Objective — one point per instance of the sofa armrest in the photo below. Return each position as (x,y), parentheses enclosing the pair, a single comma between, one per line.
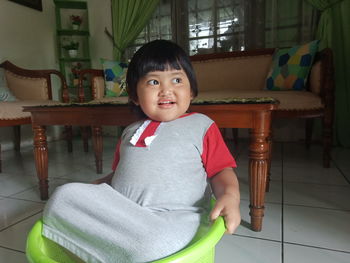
(95,76)
(27,84)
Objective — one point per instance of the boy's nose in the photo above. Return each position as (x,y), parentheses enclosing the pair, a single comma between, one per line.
(165,91)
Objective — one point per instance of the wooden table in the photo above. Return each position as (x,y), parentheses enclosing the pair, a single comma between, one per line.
(257,117)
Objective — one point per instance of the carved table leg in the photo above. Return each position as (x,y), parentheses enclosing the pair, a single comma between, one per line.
(258,164)
(98,147)
(269,157)
(41,160)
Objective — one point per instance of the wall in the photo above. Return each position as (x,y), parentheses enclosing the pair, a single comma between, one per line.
(99,19)
(28,39)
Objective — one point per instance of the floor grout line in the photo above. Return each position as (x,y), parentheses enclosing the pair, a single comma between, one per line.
(259,238)
(318,207)
(341,171)
(27,200)
(12,249)
(20,221)
(314,183)
(317,247)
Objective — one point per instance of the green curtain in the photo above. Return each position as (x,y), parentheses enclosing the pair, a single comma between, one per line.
(334,32)
(129,17)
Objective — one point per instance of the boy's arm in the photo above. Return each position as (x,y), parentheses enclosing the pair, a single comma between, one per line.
(226,190)
(107,179)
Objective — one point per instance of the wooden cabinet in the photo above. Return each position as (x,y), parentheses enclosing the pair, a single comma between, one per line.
(72,32)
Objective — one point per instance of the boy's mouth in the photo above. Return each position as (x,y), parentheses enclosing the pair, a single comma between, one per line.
(166,102)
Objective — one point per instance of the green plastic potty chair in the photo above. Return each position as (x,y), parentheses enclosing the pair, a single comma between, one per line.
(201,249)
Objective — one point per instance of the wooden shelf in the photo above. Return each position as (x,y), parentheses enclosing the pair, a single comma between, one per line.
(70,32)
(74,59)
(65,34)
(70,4)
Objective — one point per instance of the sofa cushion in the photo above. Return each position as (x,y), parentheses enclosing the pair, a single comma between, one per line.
(289,100)
(5,93)
(248,72)
(14,109)
(27,88)
(115,74)
(290,67)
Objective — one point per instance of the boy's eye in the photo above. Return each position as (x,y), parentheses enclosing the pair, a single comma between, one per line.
(153,82)
(176,80)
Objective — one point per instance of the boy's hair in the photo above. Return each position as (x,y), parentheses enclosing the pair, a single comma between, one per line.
(158,55)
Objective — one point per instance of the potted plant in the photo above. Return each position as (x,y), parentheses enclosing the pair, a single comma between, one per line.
(76,21)
(72,48)
(75,69)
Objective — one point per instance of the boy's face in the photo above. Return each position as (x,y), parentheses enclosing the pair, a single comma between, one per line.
(164,95)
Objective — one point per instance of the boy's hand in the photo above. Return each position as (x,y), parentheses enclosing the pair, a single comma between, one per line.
(227,206)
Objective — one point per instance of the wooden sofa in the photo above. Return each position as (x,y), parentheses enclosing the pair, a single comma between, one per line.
(30,87)
(243,74)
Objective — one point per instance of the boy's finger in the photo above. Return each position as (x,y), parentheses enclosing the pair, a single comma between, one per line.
(215,213)
(231,224)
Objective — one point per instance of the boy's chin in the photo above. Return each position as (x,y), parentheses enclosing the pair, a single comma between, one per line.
(165,118)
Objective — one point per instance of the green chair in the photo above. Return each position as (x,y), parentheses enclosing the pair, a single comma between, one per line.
(201,250)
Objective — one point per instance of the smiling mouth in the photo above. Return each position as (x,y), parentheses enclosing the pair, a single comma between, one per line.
(166,102)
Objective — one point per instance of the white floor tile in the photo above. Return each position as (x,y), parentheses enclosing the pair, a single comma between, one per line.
(61,169)
(15,237)
(12,183)
(273,196)
(271,228)
(302,254)
(305,173)
(33,194)
(317,227)
(341,155)
(243,168)
(86,174)
(325,196)
(12,211)
(11,256)
(18,163)
(296,152)
(238,249)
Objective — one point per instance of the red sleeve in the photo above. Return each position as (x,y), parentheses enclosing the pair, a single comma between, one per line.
(116,156)
(216,156)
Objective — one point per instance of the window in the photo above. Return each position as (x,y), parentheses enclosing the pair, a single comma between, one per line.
(215,25)
(159,27)
(208,26)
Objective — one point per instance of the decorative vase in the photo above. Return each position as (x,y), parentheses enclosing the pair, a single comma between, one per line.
(73,53)
(75,26)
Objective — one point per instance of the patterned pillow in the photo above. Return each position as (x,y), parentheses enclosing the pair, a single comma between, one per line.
(115,74)
(290,67)
(5,93)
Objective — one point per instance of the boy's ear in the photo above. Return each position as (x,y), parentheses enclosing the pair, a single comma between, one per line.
(135,102)
(192,97)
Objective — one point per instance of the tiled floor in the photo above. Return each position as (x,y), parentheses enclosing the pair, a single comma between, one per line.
(307,215)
